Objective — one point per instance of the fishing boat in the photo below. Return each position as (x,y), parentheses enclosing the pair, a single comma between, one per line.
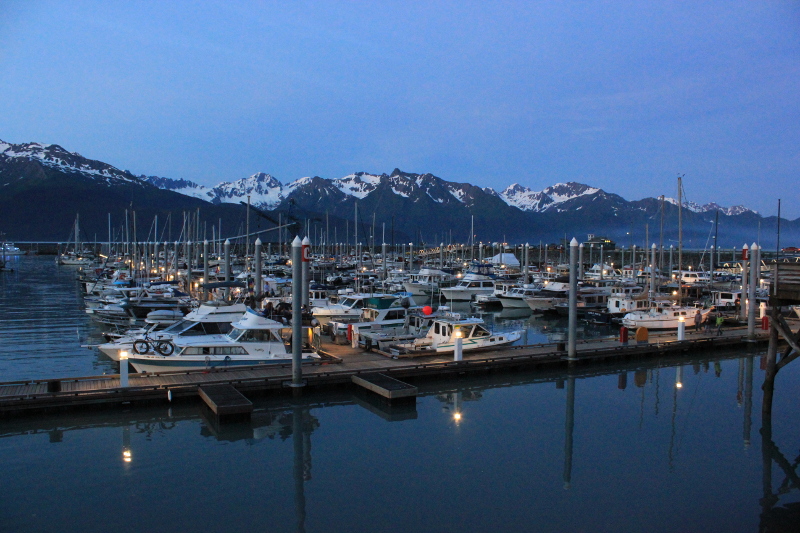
(350,306)
(444,330)
(253,340)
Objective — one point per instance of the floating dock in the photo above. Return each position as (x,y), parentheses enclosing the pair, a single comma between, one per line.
(339,366)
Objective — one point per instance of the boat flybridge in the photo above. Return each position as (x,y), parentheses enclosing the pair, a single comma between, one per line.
(253,340)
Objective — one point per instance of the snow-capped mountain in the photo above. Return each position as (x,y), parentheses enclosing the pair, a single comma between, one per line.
(712,206)
(547,199)
(412,206)
(56,157)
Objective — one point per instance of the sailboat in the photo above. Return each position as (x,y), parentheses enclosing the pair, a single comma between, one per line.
(76,256)
(666,314)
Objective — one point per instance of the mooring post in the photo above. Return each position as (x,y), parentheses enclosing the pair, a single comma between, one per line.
(297,317)
(228,276)
(259,285)
(573,299)
(745,273)
(306,263)
(205,270)
(681,329)
(751,293)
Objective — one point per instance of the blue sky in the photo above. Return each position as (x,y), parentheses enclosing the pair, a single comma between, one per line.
(619,95)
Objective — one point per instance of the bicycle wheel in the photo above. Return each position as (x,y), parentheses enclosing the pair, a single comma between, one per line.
(141,347)
(165,348)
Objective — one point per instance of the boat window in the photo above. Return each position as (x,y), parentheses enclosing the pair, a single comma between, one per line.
(234,334)
(179,326)
(480,331)
(487,283)
(196,329)
(436,328)
(255,335)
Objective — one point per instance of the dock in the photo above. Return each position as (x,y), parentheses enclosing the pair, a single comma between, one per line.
(339,366)
(225,400)
(385,386)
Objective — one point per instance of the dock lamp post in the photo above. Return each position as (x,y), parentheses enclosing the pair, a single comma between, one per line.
(123,368)
(458,349)
(681,329)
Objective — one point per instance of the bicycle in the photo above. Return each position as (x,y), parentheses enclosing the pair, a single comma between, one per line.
(162,347)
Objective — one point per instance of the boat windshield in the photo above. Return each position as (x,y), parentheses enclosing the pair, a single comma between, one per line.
(179,327)
(352,302)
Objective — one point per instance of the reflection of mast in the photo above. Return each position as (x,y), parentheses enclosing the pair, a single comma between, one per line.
(658,382)
(748,400)
(741,382)
(570,424)
(299,490)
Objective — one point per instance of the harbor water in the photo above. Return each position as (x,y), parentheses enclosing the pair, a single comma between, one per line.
(662,445)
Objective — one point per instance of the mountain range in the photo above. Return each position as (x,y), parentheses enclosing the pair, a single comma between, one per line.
(44,186)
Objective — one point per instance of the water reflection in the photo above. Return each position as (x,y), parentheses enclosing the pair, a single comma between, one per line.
(576,430)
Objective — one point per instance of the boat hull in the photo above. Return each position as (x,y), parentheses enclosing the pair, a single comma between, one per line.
(152,363)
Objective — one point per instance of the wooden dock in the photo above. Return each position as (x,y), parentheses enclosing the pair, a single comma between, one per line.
(386,386)
(339,367)
(225,400)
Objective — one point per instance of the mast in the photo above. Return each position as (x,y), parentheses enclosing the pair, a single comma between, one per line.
(680,241)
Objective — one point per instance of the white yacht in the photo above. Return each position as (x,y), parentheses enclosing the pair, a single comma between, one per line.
(210,318)
(428,281)
(545,300)
(253,340)
(478,280)
(516,296)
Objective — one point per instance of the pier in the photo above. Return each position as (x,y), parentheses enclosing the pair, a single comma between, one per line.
(339,366)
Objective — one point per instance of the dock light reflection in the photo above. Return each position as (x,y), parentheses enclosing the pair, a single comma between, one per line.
(127,454)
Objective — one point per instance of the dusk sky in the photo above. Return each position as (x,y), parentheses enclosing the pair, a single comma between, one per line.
(618,95)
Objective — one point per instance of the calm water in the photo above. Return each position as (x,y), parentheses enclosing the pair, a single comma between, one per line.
(610,449)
